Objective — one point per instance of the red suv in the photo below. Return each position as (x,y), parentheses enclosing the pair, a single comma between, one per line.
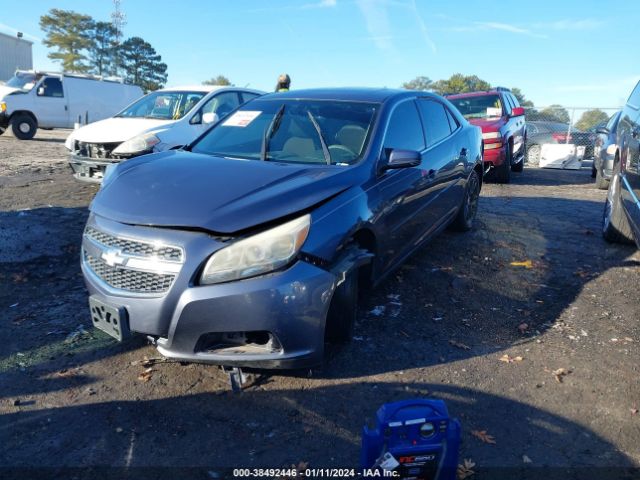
(501,118)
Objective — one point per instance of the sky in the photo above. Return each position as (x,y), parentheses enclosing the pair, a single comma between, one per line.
(571,52)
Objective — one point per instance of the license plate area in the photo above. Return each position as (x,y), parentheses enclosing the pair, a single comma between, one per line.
(111,320)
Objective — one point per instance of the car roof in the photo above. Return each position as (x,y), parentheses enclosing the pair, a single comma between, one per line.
(202,88)
(474,94)
(358,94)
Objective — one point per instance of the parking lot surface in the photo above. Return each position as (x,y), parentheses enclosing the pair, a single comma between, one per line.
(527,327)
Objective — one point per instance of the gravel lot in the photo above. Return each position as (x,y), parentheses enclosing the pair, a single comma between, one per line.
(72,397)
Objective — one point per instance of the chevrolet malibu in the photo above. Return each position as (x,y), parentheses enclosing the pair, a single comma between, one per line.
(247,248)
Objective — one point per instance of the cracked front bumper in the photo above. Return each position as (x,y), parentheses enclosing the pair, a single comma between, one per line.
(291,305)
(88,169)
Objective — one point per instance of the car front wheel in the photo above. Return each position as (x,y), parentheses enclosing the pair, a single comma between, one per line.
(503,172)
(23,126)
(533,155)
(615,225)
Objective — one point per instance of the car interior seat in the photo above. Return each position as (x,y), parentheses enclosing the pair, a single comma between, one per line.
(352,137)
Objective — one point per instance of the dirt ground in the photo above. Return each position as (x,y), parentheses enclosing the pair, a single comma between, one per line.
(565,401)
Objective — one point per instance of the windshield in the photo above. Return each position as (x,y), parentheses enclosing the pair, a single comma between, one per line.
(163,105)
(485,106)
(22,81)
(293,131)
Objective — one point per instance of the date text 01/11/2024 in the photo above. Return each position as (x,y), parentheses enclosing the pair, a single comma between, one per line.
(314,473)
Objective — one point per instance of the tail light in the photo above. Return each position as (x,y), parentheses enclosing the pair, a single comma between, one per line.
(561,137)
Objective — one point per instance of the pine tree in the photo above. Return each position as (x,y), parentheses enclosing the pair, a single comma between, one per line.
(69,33)
(142,65)
(101,52)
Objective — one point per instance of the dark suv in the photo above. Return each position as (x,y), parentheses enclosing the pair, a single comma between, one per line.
(621,217)
(501,118)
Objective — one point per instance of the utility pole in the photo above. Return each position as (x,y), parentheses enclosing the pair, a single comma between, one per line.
(118,20)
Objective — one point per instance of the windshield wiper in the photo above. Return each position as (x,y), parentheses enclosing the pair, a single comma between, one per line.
(270,132)
(325,149)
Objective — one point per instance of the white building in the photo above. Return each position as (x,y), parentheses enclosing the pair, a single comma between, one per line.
(15,52)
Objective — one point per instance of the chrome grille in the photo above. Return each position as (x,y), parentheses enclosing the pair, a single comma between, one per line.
(126,279)
(135,247)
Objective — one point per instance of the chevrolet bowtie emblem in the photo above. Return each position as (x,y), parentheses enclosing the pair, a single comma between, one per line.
(113,257)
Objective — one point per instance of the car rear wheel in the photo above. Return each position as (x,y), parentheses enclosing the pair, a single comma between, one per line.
(23,126)
(533,155)
(343,310)
(503,172)
(469,209)
(615,225)
(601,182)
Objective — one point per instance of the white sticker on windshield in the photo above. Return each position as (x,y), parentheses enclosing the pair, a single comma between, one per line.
(494,112)
(241,118)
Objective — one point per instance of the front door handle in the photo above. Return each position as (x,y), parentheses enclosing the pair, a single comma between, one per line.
(463,152)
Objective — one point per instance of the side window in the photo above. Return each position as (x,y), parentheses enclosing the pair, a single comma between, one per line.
(50,87)
(453,122)
(221,104)
(508,105)
(246,96)
(405,131)
(634,98)
(435,121)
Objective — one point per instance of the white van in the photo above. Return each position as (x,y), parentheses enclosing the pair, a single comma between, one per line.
(162,120)
(32,100)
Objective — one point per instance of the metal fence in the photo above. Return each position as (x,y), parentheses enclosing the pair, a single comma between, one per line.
(556,124)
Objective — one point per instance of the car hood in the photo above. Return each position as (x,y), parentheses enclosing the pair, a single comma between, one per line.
(4,90)
(492,125)
(116,129)
(224,196)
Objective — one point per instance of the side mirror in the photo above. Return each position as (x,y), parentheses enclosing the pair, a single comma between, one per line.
(209,117)
(603,130)
(403,159)
(517,112)
(40,91)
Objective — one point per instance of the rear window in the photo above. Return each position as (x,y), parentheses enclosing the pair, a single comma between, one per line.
(482,106)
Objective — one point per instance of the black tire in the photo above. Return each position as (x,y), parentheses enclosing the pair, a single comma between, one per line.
(1,130)
(502,174)
(601,182)
(533,155)
(23,126)
(594,172)
(467,214)
(518,167)
(343,310)
(615,224)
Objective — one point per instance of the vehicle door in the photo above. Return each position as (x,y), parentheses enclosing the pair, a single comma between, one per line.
(445,158)
(214,109)
(51,109)
(519,127)
(629,128)
(404,192)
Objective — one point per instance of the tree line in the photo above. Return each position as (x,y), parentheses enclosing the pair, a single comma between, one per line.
(84,45)
(459,83)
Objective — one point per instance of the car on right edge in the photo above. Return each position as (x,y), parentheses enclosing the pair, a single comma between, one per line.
(621,216)
(499,114)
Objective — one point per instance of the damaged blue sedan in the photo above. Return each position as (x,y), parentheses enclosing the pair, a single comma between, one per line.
(248,247)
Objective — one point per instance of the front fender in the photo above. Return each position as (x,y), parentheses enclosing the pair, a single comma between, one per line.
(336,223)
